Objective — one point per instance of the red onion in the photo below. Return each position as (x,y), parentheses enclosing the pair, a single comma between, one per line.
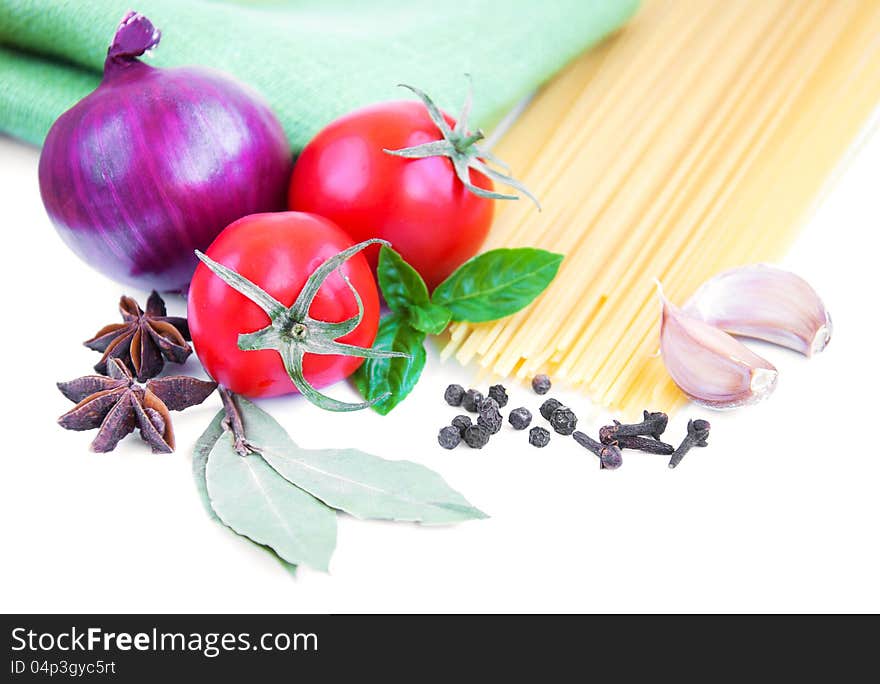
(154,163)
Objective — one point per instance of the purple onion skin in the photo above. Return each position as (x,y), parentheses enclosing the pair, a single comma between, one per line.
(154,163)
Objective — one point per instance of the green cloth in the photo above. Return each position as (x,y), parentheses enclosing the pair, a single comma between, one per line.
(312,59)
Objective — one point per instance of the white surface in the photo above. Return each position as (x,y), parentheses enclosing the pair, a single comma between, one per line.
(780,513)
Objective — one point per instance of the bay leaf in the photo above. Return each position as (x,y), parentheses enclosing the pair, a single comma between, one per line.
(254,500)
(203,447)
(364,485)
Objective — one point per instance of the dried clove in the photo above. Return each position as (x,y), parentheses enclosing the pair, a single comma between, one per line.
(697,435)
(647,444)
(609,455)
(653,425)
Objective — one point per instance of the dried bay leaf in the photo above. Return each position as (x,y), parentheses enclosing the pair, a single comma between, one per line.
(364,485)
(203,447)
(255,501)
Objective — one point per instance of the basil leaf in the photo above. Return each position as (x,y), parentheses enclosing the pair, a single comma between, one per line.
(401,284)
(406,293)
(497,283)
(431,319)
(250,497)
(366,486)
(203,448)
(396,376)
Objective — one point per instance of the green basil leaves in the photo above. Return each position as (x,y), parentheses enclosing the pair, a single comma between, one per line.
(496,284)
(406,294)
(489,286)
(402,286)
(393,377)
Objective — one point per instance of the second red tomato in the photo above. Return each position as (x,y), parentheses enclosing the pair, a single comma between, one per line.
(418,205)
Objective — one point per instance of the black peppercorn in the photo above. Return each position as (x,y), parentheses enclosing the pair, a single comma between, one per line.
(520,418)
(539,437)
(490,417)
(471,401)
(454,395)
(462,423)
(548,407)
(476,437)
(499,394)
(563,420)
(449,437)
(488,403)
(541,384)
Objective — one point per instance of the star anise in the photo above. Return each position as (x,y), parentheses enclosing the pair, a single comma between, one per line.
(116,405)
(144,341)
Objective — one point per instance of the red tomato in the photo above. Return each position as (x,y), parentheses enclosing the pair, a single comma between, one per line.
(418,205)
(278,252)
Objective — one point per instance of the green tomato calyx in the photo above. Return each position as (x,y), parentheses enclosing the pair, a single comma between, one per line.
(293,333)
(460,146)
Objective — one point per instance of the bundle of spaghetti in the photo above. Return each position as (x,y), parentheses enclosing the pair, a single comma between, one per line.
(695,140)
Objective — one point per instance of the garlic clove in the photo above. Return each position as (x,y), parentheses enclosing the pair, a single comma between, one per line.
(766,303)
(711,367)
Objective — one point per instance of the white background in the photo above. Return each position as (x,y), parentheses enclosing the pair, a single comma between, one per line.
(780,513)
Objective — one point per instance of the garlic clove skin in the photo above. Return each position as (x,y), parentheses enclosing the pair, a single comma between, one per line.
(709,366)
(766,303)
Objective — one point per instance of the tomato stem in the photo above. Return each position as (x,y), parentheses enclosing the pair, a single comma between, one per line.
(466,142)
(460,146)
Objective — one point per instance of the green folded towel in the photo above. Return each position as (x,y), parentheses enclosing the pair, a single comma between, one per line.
(312,59)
